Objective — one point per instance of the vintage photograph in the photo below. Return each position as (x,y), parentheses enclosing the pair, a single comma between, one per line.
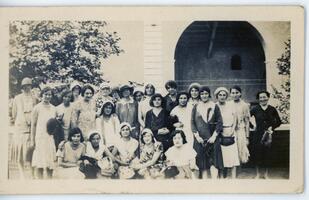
(149,100)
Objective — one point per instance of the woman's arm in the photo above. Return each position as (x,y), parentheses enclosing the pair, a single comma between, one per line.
(276,121)
(34,120)
(75,115)
(114,158)
(140,115)
(153,161)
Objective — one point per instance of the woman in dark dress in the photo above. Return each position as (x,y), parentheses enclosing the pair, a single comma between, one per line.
(158,121)
(267,120)
(206,124)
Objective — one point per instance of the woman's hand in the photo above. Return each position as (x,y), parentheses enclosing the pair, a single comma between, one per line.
(32,144)
(61,145)
(198,138)
(178,125)
(193,166)
(86,162)
(163,131)
(212,139)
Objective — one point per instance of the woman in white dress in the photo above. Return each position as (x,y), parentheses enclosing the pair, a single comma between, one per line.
(108,124)
(144,106)
(65,112)
(183,114)
(23,105)
(181,155)
(242,127)
(44,155)
(229,146)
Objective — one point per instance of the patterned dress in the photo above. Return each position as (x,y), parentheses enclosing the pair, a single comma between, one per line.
(84,115)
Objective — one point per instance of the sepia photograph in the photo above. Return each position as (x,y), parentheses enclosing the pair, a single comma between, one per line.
(204,99)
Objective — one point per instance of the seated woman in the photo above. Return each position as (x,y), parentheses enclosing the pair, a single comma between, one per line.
(126,150)
(98,161)
(181,155)
(150,162)
(69,155)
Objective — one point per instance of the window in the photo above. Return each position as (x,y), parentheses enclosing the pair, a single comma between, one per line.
(236,62)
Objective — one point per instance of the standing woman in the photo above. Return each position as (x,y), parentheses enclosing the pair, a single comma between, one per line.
(242,127)
(127,110)
(229,145)
(170,98)
(267,120)
(102,96)
(194,94)
(44,154)
(108,124)
(158,121)
(65,112)
(206,124)
(76,89)
(144,105)
(138,95)
(84,112)
(21,116)
(183,114)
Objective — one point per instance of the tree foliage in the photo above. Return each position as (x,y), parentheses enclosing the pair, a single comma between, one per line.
(59,51)
(283,93)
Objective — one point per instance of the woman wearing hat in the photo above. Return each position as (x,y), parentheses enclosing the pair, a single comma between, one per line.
(84,112)
(127,110)
(76,89)
(206,124)
(108,124)
(99,160)
(229,145)
(144,105)
(150,162)
(21,116)
(127,150)
(102,95)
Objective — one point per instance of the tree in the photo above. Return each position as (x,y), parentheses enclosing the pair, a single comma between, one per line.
(283,93)
(59,51)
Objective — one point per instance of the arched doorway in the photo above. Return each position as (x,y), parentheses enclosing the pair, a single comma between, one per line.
(221,53)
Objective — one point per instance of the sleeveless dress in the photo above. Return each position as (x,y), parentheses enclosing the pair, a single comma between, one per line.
(44,155)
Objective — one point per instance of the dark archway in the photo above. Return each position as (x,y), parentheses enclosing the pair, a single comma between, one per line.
(221,53)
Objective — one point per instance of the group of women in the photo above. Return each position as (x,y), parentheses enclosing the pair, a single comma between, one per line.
(126,133)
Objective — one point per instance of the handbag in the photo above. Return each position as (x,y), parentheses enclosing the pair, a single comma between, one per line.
(266,139)
(227,141)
